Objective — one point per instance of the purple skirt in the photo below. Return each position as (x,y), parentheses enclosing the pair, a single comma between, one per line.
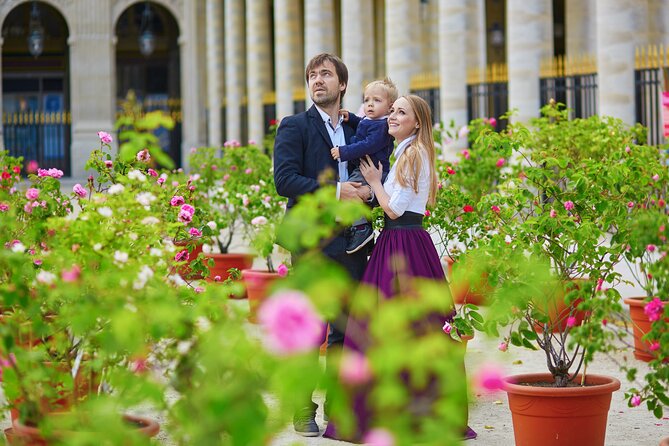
(402,252)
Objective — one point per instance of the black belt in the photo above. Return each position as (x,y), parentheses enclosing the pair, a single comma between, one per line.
(406,220)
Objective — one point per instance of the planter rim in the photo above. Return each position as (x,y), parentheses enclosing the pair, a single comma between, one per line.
(258,272)
(599,384)
(636,301)
(230,254)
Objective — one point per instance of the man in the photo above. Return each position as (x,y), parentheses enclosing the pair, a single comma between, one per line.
(301,154)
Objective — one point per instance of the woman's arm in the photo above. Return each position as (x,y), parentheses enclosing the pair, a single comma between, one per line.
(373,176)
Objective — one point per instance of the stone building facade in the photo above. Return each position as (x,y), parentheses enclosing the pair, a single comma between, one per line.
(223,61)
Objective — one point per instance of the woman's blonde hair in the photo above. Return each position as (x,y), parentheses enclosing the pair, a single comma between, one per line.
(411,163)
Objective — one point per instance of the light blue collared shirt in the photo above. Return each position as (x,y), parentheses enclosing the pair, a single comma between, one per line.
(337,138)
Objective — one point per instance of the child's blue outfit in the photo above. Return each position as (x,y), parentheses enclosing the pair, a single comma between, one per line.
(371,138)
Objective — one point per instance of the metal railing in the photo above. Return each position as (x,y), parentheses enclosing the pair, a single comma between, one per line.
(651,78)
(39,136)
(488,93)
(571,81)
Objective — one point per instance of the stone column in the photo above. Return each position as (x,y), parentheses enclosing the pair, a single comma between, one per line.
(453,21)
(193,108)
(319,31)
(357,49)
(402,41)
(529,33)
(659,18)
(91,84)
(287,63)
(617,24)
(259,65)
(580,30)
(234,67)
(214,70)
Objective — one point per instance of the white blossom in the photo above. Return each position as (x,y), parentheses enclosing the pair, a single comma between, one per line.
(115,189)
(136,175)
(150,220)
(45,277)
(145,198)
(105,211)
(120,256)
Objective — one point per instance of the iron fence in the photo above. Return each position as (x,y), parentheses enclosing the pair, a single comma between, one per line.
(651,79)
(488,94)
(39,136)
(571,81)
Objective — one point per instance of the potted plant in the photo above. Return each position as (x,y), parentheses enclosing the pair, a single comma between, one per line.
(567,206)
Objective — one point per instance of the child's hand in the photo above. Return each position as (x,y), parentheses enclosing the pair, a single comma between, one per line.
(335,153)
(344,113)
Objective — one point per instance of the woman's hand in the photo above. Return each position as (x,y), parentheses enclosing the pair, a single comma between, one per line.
(372,174)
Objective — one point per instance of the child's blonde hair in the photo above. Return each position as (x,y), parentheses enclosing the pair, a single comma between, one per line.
(388,86)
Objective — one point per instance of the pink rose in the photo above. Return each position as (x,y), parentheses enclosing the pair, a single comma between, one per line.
(32,193)
(627,149)
(109,164)
(354,368)
(195,232)
(79,190)
(152,172)
(630,204)
(447,328)
(291,323)
(489,378)
(655,345)
(185,217)
(500,162)
(450,171)
(465,154)
(635,400)
(72,274)
(282,270)
(4,207)
(32,166)
(248,171)
(143,156)
(654,309)
(492,122)
(569,205)
(552,213)
(182,256)
(259,221)
(503,346)
(379,437)
(495,209)
(188,208)
(651,248)
(177,200)
(571,321)
(656,177)
(105,137)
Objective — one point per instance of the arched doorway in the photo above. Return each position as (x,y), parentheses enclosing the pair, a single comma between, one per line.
(35,85)
(147,63)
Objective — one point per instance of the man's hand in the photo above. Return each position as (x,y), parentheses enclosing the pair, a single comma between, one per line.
(349,191)
(365,193)
(344,113)
(335,153)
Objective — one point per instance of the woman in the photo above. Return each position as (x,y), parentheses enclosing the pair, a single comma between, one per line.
(410,186)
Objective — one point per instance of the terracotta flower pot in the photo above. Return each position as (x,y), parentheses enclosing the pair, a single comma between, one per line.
(23,435)
(258,283)
(225,262)
(574,416)
(640,326)
(461,288)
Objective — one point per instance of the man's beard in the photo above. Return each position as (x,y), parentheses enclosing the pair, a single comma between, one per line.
(326,101)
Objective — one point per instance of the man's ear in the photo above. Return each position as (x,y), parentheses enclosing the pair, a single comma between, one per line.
(342,87)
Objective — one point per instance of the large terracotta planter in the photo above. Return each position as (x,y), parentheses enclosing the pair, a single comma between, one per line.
(22,435)
(574,416)
(258,284)
(224,262)
(462,290)
(640,326)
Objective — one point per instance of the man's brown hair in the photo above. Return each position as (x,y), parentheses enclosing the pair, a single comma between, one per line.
(340,68)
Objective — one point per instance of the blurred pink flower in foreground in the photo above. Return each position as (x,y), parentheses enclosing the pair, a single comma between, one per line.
(354,368)
(282,270)
(291,323)
(379,437)
(489,378)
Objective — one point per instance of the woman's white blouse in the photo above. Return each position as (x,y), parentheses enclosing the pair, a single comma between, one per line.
(404,199)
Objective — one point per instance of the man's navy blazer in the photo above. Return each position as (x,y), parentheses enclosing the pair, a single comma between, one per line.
(301,154)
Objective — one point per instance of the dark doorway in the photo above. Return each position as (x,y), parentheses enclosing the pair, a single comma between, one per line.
(150,66)
(35,85)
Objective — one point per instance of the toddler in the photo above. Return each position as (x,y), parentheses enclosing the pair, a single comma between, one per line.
(371,138)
